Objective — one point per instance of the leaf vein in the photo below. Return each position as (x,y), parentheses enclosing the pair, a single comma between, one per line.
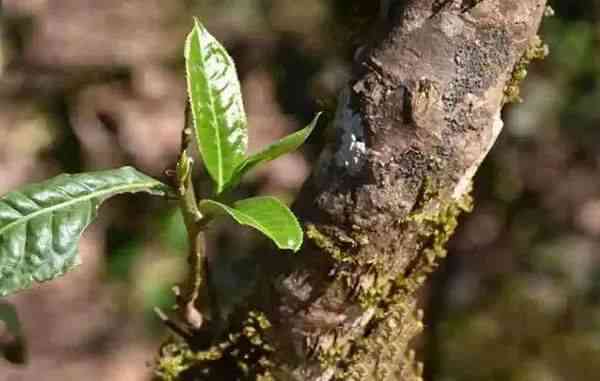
(95,194)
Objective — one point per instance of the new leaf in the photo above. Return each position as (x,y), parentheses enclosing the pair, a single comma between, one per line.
(266,214)
(40,225)
(288,144)
(218,116)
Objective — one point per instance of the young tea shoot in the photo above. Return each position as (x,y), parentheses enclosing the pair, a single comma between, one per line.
(41,224)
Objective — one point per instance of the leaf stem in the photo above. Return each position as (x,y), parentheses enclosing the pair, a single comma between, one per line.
(198,277)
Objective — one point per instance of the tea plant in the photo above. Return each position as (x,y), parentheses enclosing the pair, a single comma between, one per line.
(41,224)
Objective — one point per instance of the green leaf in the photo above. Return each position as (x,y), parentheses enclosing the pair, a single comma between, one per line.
(40,225)
(288,144)
(218,116)
(266,214)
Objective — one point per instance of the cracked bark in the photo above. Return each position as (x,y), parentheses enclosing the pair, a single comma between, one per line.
(412,127)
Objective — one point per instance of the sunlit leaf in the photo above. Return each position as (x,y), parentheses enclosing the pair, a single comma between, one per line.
(220,124)
(40,225)
(266,214)
(288,144)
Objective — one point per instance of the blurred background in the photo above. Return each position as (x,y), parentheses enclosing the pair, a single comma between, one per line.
(88,84)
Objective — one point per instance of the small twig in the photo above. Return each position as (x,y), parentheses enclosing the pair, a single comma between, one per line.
(173,326)
(198,276)
(192,218)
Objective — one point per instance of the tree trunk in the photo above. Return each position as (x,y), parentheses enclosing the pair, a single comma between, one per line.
(411,129)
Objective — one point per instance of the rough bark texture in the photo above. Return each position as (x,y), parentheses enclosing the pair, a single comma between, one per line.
(411,129)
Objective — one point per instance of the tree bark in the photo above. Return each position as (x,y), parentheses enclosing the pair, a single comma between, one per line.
(411,128)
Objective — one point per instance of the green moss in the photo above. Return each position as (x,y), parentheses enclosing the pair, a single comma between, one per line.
(176,357)
(394,301)
(173,360)
(245,354)
(435,229)
(537,50)
(358,277)
(371,297)
(327,244)
(330,352)
(391,299)
(386,341)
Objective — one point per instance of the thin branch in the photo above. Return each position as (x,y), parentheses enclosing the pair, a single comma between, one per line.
(194,222)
